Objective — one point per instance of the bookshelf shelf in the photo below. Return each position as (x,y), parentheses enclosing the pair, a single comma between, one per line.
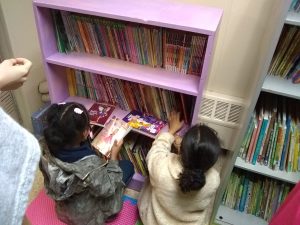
(226,215)
(274,87)
(187,84)
(277,85)
(291,177)
(194,18)
(293,18)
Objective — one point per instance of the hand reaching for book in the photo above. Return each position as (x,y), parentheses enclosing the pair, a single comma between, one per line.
(115,149)
(174,122)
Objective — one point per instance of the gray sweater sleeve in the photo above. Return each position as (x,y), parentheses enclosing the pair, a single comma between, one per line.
(19,153)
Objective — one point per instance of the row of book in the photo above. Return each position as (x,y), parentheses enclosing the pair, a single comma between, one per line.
(295,6)
(130,96)
(286,59)
(135,149)
(176,51)
(273,135)
(254,194)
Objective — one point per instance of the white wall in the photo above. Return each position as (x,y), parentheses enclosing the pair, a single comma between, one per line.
(19,29)
(240,43)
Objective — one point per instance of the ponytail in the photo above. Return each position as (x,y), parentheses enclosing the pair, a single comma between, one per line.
(191,180)
(199,150)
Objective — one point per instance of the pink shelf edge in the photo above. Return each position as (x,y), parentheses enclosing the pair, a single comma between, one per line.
(183,83)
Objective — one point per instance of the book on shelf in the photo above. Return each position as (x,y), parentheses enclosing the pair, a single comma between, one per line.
(286,57)
(286,143)
(254,138)
(100,112)
(143,122)
(272,138)
(135,149)
(260,138)
(254,194)
(131,96)
(268,138)
(175,50)
(114,130)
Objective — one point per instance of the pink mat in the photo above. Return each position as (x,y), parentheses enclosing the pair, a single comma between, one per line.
(41,211)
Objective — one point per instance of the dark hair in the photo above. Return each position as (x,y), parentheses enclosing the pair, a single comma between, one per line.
(200,148)
(65,123)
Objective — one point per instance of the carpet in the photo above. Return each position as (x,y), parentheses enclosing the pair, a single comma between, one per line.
(41,211)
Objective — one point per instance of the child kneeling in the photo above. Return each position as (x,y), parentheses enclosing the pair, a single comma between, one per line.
(86,188)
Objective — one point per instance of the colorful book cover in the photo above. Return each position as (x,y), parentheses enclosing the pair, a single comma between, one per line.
(145,123)
(285,144)
(257,125)
(244,195)
(114,130)
(99,112)
(260,139)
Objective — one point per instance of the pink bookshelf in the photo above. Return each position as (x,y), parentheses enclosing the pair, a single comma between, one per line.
(160,13)
(193,18)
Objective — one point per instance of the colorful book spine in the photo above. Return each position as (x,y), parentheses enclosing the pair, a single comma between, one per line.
(260,139)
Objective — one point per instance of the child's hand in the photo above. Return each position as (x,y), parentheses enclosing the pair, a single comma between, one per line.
(174,122)
(177,143)
(115,149)
(13,73)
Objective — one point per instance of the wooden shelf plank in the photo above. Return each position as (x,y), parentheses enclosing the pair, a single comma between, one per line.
(291,177)
(226,216)
(193,17)
(157,77)
(277,85)
(293,18)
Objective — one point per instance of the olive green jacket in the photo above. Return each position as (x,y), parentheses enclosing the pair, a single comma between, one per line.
(87,191)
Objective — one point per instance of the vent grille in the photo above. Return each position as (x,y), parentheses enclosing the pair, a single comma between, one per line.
(225,110)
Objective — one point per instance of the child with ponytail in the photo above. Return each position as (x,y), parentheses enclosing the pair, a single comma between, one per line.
(180,186)
(86,188)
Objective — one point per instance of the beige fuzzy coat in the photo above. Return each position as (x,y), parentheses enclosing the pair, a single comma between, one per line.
(161,201)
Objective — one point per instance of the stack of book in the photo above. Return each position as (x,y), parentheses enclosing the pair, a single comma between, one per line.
(286,59)
(130,96)
(174,50)
(273,135)
(254,194)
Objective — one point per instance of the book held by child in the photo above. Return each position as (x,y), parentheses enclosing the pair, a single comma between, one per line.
(114,130)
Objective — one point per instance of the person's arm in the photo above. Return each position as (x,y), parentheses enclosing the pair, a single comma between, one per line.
(161,147)
(13,73)
(105,180)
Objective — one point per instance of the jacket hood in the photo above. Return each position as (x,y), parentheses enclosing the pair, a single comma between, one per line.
(66,179)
